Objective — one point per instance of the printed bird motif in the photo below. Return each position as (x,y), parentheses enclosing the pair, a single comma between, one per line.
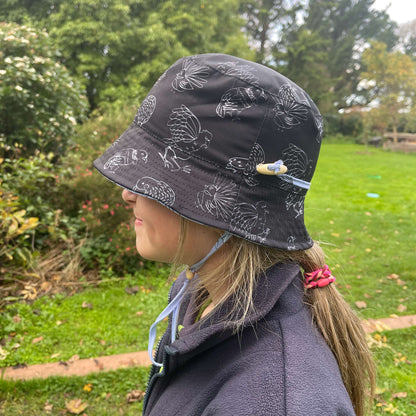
(156,189)
(146,110)
(125,157)
(191,76)
(238,99)
(248,165)
(186,136)
(251,220)
(243,72)
(298,166)
(218,198)
(287,111)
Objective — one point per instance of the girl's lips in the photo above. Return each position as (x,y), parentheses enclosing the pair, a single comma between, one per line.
(138,222)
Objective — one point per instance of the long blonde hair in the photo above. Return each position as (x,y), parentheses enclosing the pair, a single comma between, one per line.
(241,265)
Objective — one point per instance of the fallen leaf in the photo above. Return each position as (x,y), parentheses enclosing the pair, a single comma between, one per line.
(76,406)
(87,387)
(361,304)
(400,282)
(87,305)
(73,358)
(366,295)
(46,286)
(36,340)
(139,313)
(16,319)
(393,276)
(132,290)
(402,308)
(135,396)
(399,395)
(48,407)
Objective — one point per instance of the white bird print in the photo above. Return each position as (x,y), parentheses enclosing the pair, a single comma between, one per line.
(248,165)
(299,166)
(125,157)
(146,110)
(238,99)
(191,76)
(187,136)
(251,220)
(218,198)
(157,189)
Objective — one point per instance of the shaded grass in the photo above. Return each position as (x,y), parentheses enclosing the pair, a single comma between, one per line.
(97,321)
(367,239)
(108,395)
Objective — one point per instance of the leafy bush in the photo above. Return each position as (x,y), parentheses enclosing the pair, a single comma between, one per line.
(40,102)
(15,230)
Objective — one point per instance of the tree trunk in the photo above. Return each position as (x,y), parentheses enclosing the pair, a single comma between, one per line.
(395,139)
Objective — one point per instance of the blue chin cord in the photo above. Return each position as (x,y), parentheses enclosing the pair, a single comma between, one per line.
(175,304)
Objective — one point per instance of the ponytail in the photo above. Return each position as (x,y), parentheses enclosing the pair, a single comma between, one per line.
(344,334)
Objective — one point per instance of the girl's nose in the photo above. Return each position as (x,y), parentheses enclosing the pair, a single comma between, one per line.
(128,196)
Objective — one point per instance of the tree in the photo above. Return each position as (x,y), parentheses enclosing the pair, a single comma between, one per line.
(305,62)
(40,103)
(265,22)
(113,43)
(407,38)
(347,25)
(390,78)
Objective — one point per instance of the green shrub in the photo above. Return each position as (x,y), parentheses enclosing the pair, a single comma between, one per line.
(16,230)
(40,103)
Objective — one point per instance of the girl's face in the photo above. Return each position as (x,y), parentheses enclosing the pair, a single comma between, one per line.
(157,232)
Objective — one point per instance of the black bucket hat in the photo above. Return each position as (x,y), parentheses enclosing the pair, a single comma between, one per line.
(202,141)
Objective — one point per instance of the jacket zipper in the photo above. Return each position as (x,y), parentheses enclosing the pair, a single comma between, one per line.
(154,370)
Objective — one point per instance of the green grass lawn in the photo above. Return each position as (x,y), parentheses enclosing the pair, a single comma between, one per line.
(103,320)
(370,242)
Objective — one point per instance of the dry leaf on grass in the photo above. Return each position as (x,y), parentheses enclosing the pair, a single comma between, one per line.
(135,396)
(36,340)
(402,308)
(399,395)
(393,276)
(360,304)
(76,406)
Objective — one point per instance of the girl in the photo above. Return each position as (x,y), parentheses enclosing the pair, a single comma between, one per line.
(216,165)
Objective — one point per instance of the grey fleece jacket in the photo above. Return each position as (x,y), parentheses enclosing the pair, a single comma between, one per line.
(278,365)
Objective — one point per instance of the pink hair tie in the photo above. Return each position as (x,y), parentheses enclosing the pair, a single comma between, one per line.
(318,278)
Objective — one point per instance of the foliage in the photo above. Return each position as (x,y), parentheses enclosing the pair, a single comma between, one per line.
(39,185)
(113,47)
(39,101)
(347,24)
(15,229)
(265,19)
(304,61)
(97,202)
(407,38)
(390,80)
